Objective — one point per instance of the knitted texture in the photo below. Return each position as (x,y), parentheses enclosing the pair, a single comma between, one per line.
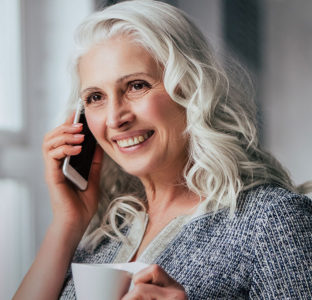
(263,252)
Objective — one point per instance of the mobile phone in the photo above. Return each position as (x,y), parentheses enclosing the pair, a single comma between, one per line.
(77,167)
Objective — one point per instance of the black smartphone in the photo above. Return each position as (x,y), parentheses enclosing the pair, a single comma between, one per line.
(77,167)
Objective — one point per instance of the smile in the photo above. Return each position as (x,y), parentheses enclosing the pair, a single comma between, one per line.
(135,140)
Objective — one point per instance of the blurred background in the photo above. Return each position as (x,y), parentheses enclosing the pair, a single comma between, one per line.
(271,38)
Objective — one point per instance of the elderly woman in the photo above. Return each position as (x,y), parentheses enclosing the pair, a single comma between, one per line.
(178,179)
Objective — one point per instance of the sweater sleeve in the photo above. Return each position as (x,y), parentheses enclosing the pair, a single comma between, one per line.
(283,250)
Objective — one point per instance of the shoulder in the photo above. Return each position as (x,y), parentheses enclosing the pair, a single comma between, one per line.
(279,220)
(271,203)
(262,206)
(282,242)
(282,224)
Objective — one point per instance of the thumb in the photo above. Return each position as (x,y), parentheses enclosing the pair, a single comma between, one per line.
(98,155)
(95,171)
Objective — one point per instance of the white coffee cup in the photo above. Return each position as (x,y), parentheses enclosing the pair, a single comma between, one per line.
(103,281)
(100,282)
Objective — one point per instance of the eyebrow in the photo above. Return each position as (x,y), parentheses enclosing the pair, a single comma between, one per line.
(119,80)
(123,78)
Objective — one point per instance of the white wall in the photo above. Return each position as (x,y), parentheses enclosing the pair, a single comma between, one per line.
(49,40)
(47,29)
(287,84)
(207,15)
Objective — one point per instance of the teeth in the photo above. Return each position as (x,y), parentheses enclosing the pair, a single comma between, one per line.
(130,142)
(133,141)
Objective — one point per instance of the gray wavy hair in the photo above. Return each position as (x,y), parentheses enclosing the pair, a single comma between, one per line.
(224,153)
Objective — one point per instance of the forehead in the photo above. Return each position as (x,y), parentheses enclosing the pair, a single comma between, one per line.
(114,58)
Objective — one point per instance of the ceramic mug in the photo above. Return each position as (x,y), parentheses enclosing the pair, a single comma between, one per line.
(103,281)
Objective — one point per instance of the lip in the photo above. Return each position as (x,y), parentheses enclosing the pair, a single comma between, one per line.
(130,135)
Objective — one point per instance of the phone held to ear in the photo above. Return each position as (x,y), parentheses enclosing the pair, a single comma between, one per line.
(77,167)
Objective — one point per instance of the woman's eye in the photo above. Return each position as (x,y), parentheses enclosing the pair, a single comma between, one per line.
(138,86)
(93,98)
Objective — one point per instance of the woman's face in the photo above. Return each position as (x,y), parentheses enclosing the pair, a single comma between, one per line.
(128,109)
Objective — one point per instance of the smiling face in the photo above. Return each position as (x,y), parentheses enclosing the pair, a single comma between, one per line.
(129,111)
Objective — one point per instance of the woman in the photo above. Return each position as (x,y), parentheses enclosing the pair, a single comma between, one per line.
(184,185)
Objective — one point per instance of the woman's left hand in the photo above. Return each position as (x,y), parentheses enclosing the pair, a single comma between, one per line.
(154,283)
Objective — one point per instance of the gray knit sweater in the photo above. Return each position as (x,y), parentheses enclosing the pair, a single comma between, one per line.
(264,252)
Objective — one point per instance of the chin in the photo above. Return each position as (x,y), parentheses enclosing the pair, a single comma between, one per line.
(139,171)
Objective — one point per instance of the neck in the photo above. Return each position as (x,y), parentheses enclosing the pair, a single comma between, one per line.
(168,193)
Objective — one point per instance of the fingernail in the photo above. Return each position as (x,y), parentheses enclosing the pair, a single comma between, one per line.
(78,136)
(77,125)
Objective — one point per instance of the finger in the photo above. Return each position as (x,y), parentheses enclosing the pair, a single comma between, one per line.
(145,291)
(68,122)
(149,291)
(64,128)
(70,119)
(64,139)
(62,151)
(153,274)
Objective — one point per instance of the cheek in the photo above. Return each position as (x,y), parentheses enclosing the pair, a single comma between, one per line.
(158,108)
(96,124)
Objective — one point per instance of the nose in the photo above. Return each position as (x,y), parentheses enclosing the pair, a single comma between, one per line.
(118,113)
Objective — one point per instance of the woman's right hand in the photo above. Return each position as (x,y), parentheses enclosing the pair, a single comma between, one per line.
(71,207)
(72,212)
